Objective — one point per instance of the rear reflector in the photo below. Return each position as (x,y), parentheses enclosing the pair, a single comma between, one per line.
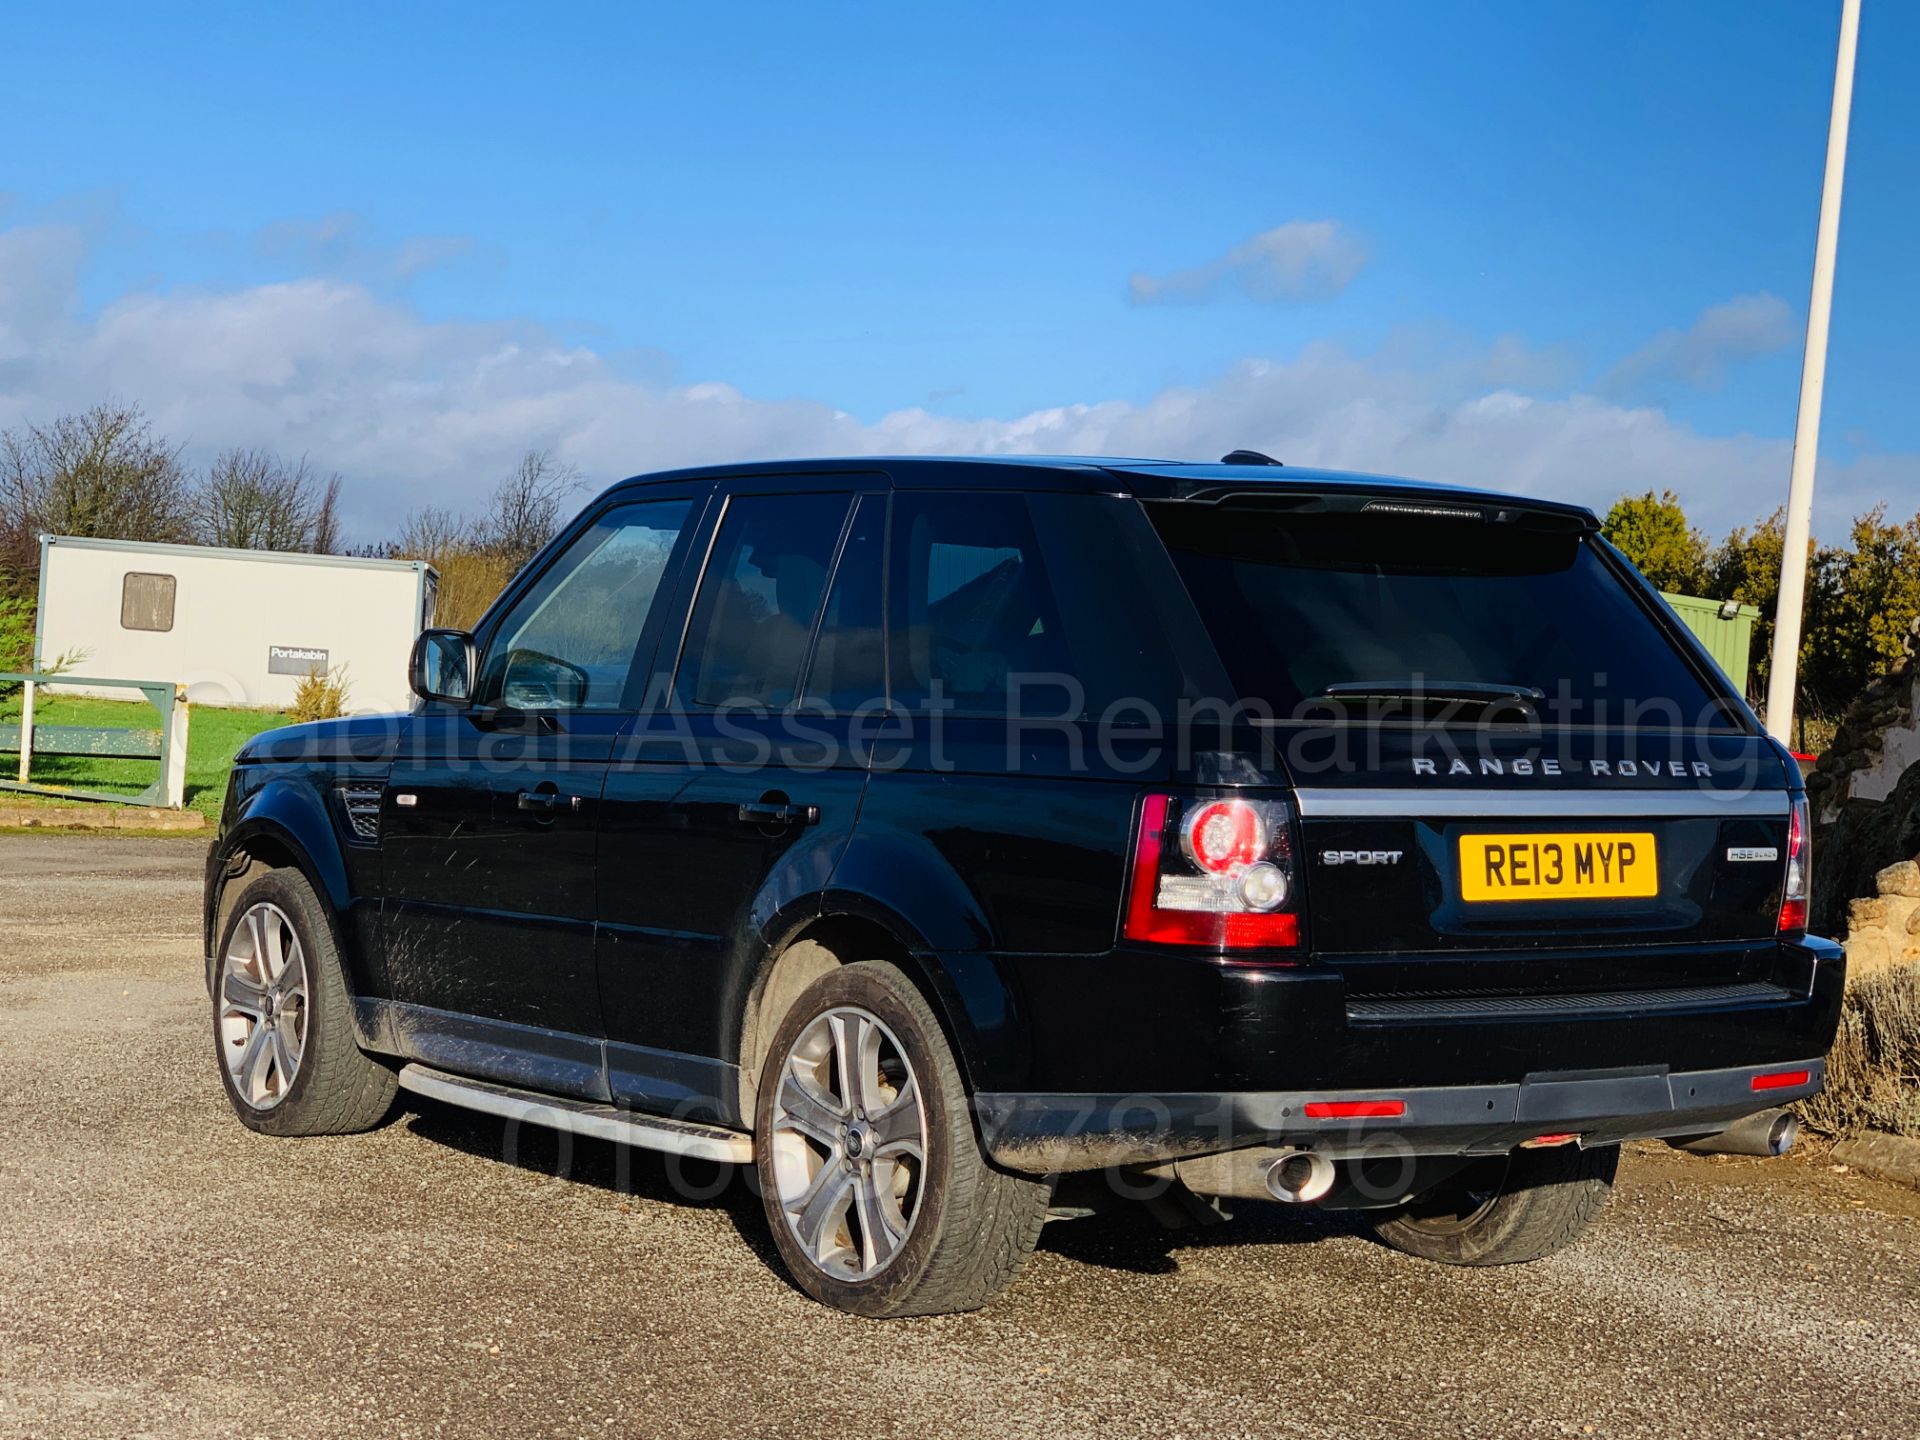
(1782,1079)
(1547,1142)
(1354,1109)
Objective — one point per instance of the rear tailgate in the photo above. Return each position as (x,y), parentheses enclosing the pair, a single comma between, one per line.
(1507,857)
(1515,771)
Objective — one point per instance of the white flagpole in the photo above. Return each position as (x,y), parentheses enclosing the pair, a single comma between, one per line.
(1785,671)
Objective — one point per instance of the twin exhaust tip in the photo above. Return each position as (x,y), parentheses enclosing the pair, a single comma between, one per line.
(1299,1177)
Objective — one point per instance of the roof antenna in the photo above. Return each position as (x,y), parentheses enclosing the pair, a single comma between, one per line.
(1247,457)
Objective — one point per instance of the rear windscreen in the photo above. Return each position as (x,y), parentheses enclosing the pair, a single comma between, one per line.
(1313,610)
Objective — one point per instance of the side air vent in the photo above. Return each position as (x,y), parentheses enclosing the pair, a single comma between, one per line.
(361,800)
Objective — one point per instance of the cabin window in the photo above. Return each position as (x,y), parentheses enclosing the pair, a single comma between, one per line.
(146,601)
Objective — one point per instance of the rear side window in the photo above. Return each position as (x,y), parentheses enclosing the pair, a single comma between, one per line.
(754,617)
(1300,603)
(973,602)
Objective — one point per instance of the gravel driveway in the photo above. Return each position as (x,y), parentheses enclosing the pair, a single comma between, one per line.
(165,1272)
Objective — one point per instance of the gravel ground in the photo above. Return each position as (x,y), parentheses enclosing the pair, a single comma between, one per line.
(165,1272)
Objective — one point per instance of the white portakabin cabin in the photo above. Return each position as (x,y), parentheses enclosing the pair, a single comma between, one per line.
(236,627)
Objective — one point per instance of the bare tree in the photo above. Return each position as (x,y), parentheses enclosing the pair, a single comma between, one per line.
(101,473)
(477,557)
(325,539)
(432,533)
(254,500)
(526,508)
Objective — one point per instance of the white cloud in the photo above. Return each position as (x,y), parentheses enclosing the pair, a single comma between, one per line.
(415,412)
(1300,260)
(1698,356)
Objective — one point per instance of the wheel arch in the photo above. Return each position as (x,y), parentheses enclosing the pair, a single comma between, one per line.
(284,826)
(843,930)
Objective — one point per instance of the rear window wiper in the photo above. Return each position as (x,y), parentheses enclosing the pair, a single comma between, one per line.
(1472,692)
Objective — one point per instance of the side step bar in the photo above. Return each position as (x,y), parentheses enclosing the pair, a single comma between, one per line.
(581,1117)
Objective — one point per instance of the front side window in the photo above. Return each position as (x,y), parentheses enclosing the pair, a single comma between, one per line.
(146,601)
(569,642)
(754,617)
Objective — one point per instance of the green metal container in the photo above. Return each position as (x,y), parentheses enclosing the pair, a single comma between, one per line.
(1724,627)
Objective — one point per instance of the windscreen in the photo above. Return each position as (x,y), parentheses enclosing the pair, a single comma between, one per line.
(1466,618)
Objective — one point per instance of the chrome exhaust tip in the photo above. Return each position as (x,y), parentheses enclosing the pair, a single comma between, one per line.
(1769,1132)
(1299,1177)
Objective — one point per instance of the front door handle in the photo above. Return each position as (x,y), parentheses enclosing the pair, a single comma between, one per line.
(770,813)
(545,802)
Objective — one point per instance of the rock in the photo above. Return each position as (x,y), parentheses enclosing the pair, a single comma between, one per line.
(1866,914)
(1855,843)
(1869,951)
(1913,922)
(1891,1157)
(1901,878)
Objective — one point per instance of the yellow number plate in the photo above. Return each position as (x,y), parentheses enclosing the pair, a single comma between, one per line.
(1559,867)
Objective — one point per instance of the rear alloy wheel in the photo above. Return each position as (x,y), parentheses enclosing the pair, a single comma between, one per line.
(282,1019)
(849,1143)
(1506,1209)
(878,1195)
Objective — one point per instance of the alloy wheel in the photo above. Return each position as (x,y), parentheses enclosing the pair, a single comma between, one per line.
(263,1010)
(849,1137)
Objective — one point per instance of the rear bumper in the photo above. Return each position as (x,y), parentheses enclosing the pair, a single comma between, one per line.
(1136,1056)
(1054,1133)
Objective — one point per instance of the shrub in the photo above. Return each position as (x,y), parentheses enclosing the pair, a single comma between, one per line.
(16,645)
(470,578)
(1873,1071)
(16,634)
(322,695)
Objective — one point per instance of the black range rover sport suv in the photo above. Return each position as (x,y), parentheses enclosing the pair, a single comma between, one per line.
(919,831)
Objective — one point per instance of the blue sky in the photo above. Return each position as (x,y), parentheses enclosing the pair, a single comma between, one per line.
(1559,247)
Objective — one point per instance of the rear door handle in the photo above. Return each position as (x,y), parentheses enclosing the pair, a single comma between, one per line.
(764,813)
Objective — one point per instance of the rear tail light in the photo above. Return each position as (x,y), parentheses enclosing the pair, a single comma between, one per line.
(1214,871)
(1793,898)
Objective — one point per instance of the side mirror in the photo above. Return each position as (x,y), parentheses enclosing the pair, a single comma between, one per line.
(442,666)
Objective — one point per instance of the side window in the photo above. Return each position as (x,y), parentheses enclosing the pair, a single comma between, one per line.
(849,659)
(754,616)
(972,604)
(146,601)
(569,642)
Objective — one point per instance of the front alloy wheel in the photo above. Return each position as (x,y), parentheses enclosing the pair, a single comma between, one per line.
(263,1005)
(282,1017)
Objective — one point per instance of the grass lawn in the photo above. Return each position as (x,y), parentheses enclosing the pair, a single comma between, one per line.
(213,738)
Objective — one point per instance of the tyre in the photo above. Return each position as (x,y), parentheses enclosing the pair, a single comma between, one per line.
(1507,1209)
(282,1022)
(880,1200)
